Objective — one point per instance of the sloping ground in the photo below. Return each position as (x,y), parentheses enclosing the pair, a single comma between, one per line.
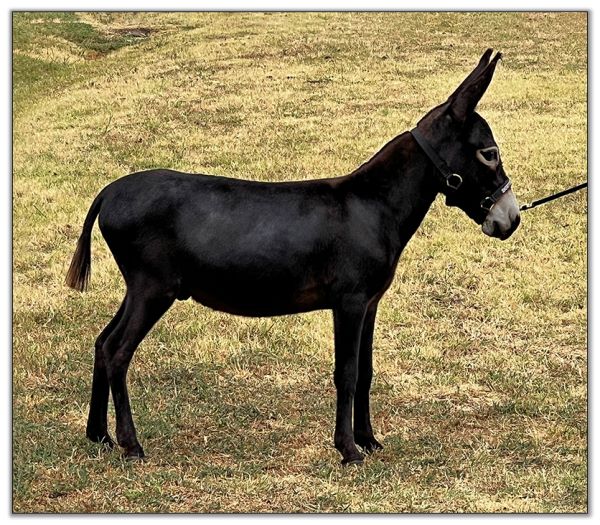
(480,389)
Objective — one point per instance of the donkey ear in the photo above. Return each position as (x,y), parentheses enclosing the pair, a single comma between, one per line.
(483,62)
(465,99)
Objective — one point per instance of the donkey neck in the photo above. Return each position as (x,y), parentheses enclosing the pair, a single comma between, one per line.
(403,183)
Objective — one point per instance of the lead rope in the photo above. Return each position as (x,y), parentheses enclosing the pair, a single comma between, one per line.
(553,196)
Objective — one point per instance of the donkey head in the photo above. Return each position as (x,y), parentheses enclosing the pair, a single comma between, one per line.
(460,144)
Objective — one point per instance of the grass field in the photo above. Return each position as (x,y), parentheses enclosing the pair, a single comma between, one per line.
(479,394)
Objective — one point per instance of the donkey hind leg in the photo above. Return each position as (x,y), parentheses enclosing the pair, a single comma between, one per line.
(97,429)
(147,301)
(363,432)
(348,321)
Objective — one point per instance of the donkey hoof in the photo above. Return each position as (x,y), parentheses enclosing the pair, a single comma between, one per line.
(370,445)
(101,439)
(353,459)
(107,442)
(134,454)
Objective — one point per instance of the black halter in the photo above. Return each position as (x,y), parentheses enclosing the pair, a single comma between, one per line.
(454,180)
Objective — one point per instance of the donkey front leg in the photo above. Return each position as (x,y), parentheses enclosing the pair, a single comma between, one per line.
(363,432)
(348,320)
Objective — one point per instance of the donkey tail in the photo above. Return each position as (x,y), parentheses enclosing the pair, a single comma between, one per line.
(78,276)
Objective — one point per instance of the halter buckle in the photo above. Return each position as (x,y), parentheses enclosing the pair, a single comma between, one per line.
(487,203)
(454,181)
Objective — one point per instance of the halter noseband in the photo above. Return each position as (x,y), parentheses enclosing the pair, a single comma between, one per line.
(454,180)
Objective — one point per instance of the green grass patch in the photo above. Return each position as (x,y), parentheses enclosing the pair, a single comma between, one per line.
(51,50)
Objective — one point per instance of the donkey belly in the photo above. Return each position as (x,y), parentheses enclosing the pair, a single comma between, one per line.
(258,305)
(255,293)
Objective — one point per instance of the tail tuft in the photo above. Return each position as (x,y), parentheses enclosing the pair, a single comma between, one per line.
(78,276)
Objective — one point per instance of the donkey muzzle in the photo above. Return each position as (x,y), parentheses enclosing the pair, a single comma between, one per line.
(504,217)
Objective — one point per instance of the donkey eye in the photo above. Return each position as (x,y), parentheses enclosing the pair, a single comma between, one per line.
(488,156)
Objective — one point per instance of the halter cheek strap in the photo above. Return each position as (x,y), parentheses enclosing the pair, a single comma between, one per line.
(454,180)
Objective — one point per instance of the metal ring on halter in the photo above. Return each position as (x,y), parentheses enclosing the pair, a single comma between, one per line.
(454,181)
(487,203)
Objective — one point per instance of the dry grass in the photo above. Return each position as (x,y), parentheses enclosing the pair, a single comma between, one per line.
(480,389)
